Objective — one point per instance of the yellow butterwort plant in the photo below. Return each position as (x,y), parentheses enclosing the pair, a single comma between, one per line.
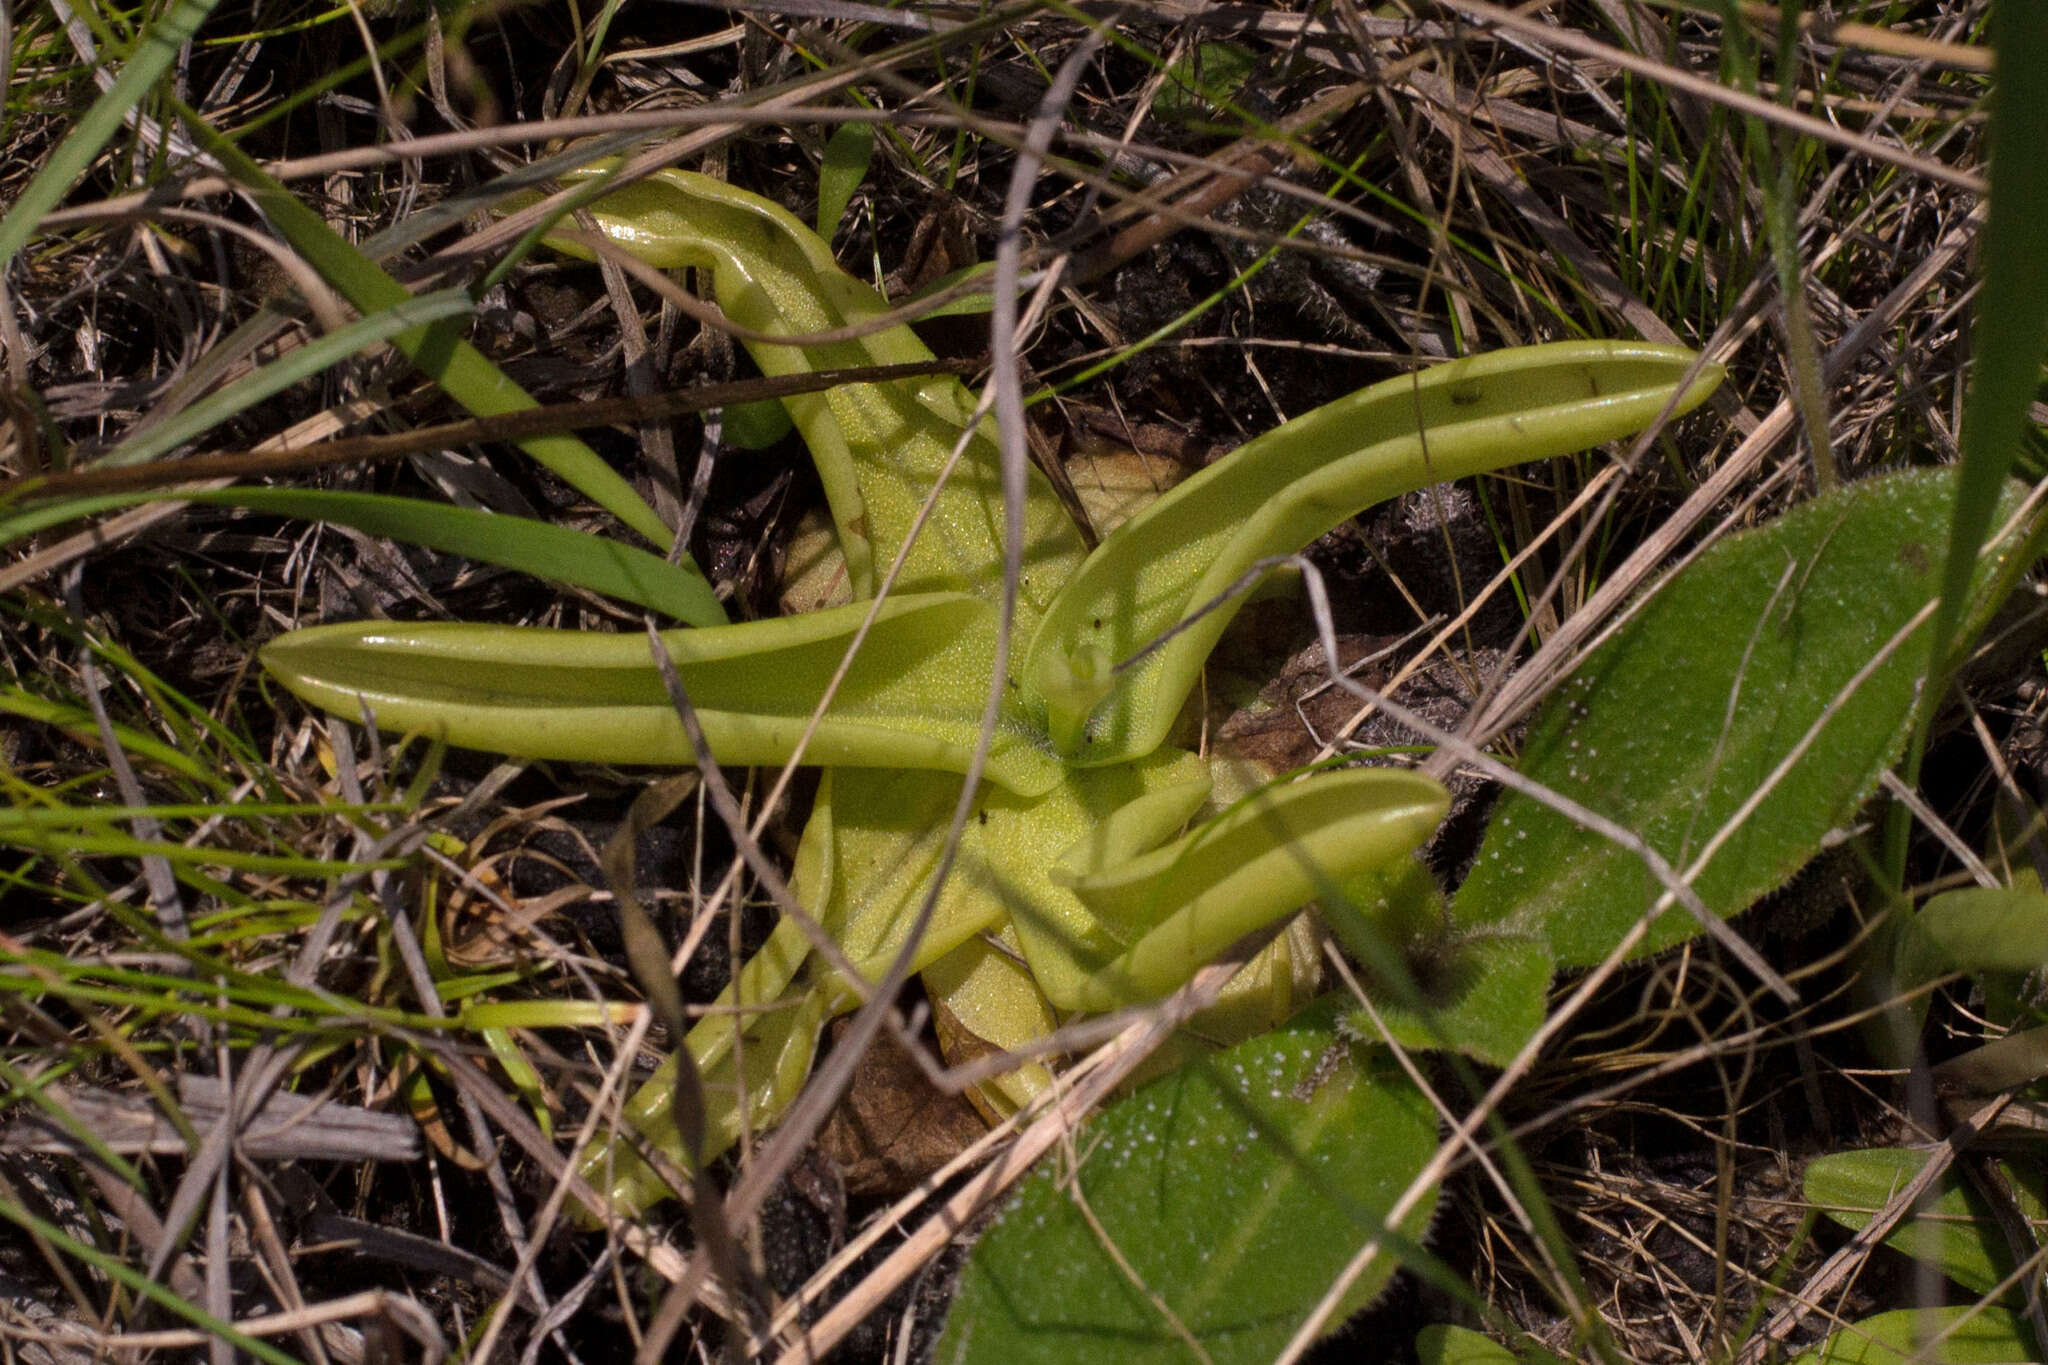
(1103,865)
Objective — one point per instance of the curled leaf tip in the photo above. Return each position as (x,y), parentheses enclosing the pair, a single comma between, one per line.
(1074,683)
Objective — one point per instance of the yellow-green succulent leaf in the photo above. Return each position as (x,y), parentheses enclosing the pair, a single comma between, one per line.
(1178,906)
(879,448)
(1280,491)
(1282,978)
(1025,838)
(890,833)
(816,869)
(911,698)
(768,1071)
(890,829)
(867,860)
(984,999)
(744,1010)
(765,978)
(1138,826)
(1272,987)
(987,990)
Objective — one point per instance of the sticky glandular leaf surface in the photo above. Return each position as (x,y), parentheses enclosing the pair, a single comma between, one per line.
(1688,711)
(1234,1190)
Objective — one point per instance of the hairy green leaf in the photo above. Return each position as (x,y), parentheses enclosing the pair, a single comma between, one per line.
(1928,1336)
(1793,646)
(1956,1230)
(1215,1205)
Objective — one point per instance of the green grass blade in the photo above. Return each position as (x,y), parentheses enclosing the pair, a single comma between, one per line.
(624,572)
(303,363)
(578,558)
(2012,310)
(35,1092)
(68,817)
(76,843)
(67,165)
(116,1269)
(77,722)
(458,367)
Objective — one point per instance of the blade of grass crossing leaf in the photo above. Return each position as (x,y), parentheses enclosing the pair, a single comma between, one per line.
(389,51)
(1906,1336)
(70,817)
(2012,308)
(536,547)
(458,367)
(2011,333)
(1786,617)
(1779,150)
(127,846)
(302,363)
(77,722)
(15,525)
(1953,1227)
(67,165)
